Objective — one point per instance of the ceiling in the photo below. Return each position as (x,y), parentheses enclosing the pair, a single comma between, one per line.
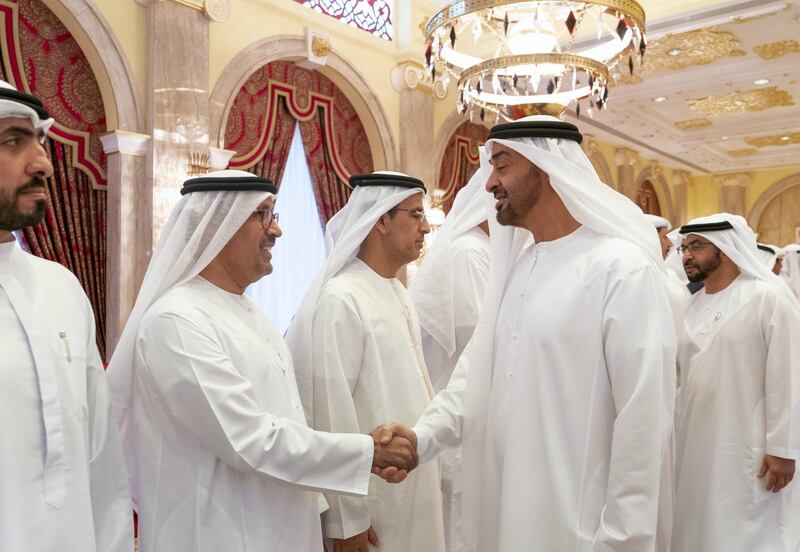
(703,59)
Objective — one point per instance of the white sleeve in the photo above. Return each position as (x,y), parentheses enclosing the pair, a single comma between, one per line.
(439,427)
(782,376)
(112,508)
(639,348)
(188,367)
(337,341)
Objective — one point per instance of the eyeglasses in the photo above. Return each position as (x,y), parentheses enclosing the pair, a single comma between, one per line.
(267,216)
(418,214)
(692,247)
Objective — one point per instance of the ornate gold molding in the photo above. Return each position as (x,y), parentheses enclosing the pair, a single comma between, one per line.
(320,46)
(741,101)
(693,124)
(775,140)
(744,152)
(774,50)
(626,156)
(410,75)
(696,48)
(681,177)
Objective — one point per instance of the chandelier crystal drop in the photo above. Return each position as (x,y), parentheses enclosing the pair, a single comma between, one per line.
(513,58)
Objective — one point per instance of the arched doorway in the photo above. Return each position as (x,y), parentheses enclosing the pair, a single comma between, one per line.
(776,215)
(647,198)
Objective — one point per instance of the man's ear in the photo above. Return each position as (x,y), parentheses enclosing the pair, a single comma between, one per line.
(380,225)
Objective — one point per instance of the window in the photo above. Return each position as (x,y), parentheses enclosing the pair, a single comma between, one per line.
(298,255)
(373,16)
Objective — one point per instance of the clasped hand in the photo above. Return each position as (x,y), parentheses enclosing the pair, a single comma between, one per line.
(395,452)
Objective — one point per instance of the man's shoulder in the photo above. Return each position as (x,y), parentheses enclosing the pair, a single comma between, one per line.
(348,282)
(180,302)
(55,272)
(615,254)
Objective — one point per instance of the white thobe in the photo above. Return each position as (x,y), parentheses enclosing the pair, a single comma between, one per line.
(224,458)
(63,479)
(740,400)
(581,401)
(470,269)
(369,370)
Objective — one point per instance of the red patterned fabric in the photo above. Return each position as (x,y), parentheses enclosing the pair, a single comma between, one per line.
(373,16)
(50,64)
(261,122)
(460,160)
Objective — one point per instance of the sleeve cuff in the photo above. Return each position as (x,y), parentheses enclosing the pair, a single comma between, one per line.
(365,466)
(424,438)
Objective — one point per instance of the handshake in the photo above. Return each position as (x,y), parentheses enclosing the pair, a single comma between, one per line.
(395,452)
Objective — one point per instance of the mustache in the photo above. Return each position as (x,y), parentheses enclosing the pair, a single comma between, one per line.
(35,182)
(269,242)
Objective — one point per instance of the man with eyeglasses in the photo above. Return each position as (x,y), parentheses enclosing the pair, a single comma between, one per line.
(62,475)
(738,416)
(356,344)
(220,454)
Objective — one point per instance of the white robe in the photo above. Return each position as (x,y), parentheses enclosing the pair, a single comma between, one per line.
(581,402)
(740,400)
(470,268)
(224,458)
(62,474)
(369,371)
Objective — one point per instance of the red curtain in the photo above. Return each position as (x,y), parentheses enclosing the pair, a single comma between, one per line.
(73,231)
(460,160)
(334,139)
(330,192)
(274,161)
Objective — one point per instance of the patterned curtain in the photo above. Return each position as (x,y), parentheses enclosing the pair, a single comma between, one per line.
(73,231)
(40,55)
(262,119)
(460,160)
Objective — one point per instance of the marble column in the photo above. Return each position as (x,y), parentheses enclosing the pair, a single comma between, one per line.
(681,180)
(627,164)
(129,239)
(732,192)
(177,99)
(417,94)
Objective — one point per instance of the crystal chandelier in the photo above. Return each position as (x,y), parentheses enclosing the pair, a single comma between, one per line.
(514,58)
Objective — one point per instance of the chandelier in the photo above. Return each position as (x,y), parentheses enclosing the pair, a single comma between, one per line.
(514,58)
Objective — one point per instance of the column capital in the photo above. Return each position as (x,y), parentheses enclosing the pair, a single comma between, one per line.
(681,177)
(411,75)
(215,10)
(741,180)
(127,143)
(625,156)
(219,158)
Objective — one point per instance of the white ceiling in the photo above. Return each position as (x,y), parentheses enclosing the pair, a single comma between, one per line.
(632,119)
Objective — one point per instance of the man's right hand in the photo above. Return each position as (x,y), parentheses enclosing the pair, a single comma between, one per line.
(358,543)
(393,445)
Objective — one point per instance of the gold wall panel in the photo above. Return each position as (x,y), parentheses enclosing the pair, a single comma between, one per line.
(774,50)
(693,124)
(741,101)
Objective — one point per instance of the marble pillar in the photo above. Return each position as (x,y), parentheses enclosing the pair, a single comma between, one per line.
(177,99)
(732,192)
(627,165)
(681,180)
(129,239)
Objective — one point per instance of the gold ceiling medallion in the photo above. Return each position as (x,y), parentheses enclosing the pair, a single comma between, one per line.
(745,152)
(693,124)
(741,101)
(682,50)
(776,140)
(775,50)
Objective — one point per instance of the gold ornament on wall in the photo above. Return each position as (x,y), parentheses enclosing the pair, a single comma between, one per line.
(693,124)
(775,50)
(320,46)
(776,140)
(741,101)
